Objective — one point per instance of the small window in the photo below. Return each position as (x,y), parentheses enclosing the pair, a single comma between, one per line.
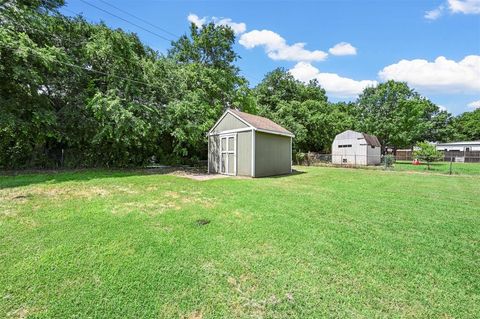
(344,160)
(340,146)
(467,149)
(373,146)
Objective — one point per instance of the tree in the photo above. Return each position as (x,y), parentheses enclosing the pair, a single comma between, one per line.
(399,116)
(301,108)
(466,126)
(427,152)
(212,84)
(279,86)
(62,77)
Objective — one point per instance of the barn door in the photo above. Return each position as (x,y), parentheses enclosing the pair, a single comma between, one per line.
(228,154)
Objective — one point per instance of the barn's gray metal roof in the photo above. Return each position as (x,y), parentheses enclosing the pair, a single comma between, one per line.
(371,140)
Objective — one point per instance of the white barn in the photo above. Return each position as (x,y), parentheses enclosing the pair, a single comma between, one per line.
(355,148)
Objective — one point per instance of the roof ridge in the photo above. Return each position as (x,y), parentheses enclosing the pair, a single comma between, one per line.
(260,122)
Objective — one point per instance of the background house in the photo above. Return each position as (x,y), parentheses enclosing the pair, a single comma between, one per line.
(355,148)
(249,145)
(465,151)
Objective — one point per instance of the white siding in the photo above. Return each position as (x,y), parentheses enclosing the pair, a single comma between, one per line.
(351,148)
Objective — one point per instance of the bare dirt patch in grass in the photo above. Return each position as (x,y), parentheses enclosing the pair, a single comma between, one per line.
(198,176)
(23,312)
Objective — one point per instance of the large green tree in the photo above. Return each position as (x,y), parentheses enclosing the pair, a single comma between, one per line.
(399,116)
(303,108)
(61,80)
(466,126)
(212,84)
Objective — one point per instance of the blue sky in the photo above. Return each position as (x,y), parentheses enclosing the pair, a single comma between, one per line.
(346,45)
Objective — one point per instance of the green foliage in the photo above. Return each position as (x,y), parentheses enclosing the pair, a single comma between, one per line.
(211,45)
(399,116)
(301,108)
(427,152)
(73,93)
(466,127)
(388,160)
(93,96)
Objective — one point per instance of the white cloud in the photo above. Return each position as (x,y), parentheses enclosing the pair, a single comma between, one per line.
(474,105)
(343,48)
(441,75)
(237,27)
(334,84)
(454,6)
(277,48)
(193,18)
(435,13)
(442,108)
(464,6)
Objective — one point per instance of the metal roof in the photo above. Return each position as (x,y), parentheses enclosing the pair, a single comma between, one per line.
(371,140)
(261,123)
(460,143)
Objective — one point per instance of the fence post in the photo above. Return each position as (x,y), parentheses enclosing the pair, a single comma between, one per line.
(451,161)
(355,159)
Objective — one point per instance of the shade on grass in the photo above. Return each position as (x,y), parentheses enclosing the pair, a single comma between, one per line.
(328,242)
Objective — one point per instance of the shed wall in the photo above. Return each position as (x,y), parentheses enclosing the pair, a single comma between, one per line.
(229,122)
(244,153)
(374,155)
(354,155)
(272,154)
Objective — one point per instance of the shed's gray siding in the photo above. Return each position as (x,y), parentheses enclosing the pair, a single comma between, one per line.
(229,122)
(272,154)
(257,153)
(244,153)
(214,153)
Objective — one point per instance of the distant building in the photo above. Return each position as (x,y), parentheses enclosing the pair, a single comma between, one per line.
(466,151)
(355,148)
(468,146)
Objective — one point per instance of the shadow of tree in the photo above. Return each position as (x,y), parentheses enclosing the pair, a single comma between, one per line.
(12,179)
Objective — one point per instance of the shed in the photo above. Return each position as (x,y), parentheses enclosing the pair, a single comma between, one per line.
(355,148)
(249,145)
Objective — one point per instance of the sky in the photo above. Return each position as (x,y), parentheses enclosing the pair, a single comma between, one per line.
(347,45)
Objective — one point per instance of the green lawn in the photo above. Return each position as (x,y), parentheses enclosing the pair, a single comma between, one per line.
(329,242)
(440,167)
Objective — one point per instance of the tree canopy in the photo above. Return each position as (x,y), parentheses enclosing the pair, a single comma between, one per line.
(75,93)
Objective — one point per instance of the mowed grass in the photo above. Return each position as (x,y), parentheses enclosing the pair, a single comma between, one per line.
(329,242)
(440,167)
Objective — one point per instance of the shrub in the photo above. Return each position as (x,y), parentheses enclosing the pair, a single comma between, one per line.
(427,152)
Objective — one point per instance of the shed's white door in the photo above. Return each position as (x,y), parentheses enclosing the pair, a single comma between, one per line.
(228,154)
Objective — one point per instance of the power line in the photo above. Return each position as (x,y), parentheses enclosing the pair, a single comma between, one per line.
(138,18)
(125,20)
